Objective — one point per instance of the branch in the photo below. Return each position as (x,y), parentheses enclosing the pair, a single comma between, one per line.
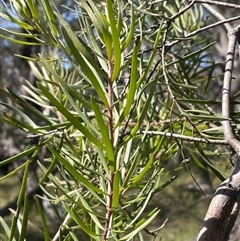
(183,137)
(227,129)
(231,221)
(223,209)
(218,16)
(217,3)
(211,26)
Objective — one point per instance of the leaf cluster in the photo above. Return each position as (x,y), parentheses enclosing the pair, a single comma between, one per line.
(101,96)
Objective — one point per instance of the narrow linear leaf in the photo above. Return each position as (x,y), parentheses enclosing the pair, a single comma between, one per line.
(24,218)
(133,80)
(74,172)
(209,164)
(19,201)
(43,218)
(105,134)
(50,16)
(116,41)
(145,169)
(143,206)
(69,92)
(87,68)
(143,113)
(141,225)
(90,211)
(6,229)
(79,45)
(24,153)
(101,26)
(75,122)
(116,190)
(129,38)
(26,106)
(75,216)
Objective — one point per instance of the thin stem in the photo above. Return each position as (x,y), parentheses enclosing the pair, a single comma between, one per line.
(217,3)
(108,223)
(164,50)
(218,16)
(183,137)
(212,26)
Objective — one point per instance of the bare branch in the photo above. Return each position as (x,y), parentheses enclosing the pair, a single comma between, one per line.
(211,26)
(181,11)
(228,133)
(183,137)
(218,15)
(217,3)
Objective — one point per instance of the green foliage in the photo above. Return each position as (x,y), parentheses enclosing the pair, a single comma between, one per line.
(99,113)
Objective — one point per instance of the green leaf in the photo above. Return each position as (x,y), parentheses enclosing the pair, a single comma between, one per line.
(132,89)
(94,44)
(75,216)
(209,164)
(51,20)
(16,170)
(26,106)
(129,38)
(144,111)
(116,41)
(140,225)
(148,165)
(100,24)
(23,115)
(33,7)
(26,152)
(116,190)
(105,134)
(205,117)
(164,185)
(19,201)
(69,93)
(6,229)
(192,54)
(91,187)
(76,44)
(87,68)
(75,122)
(49,170)
(90,211)
(43,218)
(24,219)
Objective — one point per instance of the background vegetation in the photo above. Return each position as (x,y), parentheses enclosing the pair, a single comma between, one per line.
(111,118)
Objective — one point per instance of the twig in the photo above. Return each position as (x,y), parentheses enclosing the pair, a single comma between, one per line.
(65,222)
(181,11)
(212,26)
(183,137)
(218,16)
(170,45)
(166,76)
(217,3)
(162,226)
